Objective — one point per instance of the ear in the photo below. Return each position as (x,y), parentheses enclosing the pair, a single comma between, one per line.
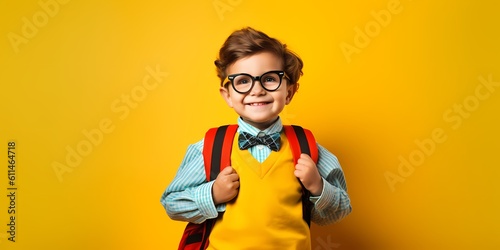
(224,92)
(290,92)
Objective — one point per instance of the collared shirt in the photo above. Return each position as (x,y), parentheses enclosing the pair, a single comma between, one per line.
(259,152)
(189,195)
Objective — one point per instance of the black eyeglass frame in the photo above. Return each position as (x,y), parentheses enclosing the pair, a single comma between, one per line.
(280,74)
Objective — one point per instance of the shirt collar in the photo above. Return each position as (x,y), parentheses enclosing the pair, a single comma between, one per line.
(276,127)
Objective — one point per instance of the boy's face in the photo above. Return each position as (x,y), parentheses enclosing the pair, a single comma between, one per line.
(258,107)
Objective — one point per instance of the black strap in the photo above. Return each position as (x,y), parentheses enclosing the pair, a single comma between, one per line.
(214,171)
(304,148)
(217,152)
(209,224)
(301,136)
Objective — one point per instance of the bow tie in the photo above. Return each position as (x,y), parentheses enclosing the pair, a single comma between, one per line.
(246,140)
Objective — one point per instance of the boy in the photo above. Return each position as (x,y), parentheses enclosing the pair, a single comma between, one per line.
(257,200)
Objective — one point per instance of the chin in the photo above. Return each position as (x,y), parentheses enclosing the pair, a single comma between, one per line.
(261,120)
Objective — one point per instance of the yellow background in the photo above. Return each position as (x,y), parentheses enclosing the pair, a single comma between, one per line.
(368,108)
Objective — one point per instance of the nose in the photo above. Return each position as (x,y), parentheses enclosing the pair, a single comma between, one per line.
(257,88)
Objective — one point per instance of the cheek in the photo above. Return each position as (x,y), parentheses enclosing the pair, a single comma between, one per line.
(282,98)
(235,100)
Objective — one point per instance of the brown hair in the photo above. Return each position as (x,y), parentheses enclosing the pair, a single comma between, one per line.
(247,42)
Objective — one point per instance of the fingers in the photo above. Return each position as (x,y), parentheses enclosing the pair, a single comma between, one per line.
(229,176)
(298,174)
(226,186)
(227,171)
(305,156)
(236,184)
(304,162)
(307,172)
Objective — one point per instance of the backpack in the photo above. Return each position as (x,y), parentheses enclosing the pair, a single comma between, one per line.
(217,147)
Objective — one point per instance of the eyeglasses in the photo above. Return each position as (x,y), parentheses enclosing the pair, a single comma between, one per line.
(270,81)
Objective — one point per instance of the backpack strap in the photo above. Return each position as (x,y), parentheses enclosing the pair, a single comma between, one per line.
(195,236)
(216,156)
(302,141)
(217,149)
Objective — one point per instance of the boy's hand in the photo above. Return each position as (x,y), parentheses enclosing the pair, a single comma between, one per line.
(226,186)
(308,174)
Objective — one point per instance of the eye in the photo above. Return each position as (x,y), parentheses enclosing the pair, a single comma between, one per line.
(270,79)
(242,80)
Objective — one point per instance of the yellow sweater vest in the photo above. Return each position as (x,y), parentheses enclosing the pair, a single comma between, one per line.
(267,213)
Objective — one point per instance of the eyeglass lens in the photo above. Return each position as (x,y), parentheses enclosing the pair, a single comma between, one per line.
(269,81)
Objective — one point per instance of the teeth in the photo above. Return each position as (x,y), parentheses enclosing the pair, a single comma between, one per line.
(257,104)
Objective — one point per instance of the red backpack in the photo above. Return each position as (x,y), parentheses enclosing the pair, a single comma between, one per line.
(217,147)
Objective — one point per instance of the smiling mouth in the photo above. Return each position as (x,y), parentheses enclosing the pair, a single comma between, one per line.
(258,103)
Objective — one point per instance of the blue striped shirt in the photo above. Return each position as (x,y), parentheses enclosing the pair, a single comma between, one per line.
(189,195)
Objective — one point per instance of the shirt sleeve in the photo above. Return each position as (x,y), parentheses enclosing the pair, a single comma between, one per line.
(189,195)
(333,204)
